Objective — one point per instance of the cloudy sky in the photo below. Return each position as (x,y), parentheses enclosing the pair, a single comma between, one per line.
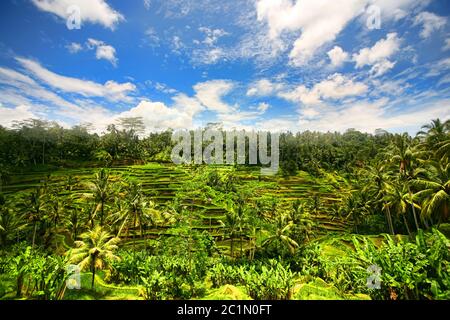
(265,64)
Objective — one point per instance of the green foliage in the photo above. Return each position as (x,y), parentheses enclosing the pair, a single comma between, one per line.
(410,270)
(37,275)
(271,281)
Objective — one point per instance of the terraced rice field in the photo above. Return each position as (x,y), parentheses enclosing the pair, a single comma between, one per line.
(163,182)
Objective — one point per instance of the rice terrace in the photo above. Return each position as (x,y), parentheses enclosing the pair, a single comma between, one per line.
(199,150)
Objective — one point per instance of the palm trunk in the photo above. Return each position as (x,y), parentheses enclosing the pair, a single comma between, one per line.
(103,212)
(19,285)
(34,234)
(406,225)
(391,227)
(232,245)
(413,209)
(445,212)
(93,275)
(134,234)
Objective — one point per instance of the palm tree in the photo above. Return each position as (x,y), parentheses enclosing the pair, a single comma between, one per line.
(4,176)
(435,132)
(34,207)
(10,224)
(435,193)
(134,210)
(302,219)
(397,198)
(283,227)
(232,224)
(57,206)
(94,250)
(102,192)
(401,153)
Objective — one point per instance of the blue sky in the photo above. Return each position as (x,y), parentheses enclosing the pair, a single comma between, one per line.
(253,64)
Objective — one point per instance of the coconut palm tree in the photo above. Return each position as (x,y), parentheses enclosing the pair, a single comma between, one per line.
(281,235)
(94,250)
(302,219)
(102,192)
(34,208)
(401,153)
(134,210)
(232,224)
(397,199)
(434,132)
(10,223)
(434,193)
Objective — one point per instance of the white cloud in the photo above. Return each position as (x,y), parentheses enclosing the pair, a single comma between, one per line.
(335,87)
(430,22)
(277,125)
(188,105)
(381,67)
(207,51)
(209,56)
(177,44)
(93,11)
(74,47)
(212,35)
(21,88)
(103,51)
(369,116)
(337,56)
(210,94)
(319,21)
(147,4)
(377,56)
(164,88)
(9,115)
(263,107)
(447,44)
(158,116)
(439,67)
(111,90)
(263,88)
(152,38)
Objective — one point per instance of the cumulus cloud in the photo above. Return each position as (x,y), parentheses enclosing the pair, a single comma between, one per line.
(337,56)
(103,50)
(335,87)
(210,94)
(93,11)
(74,47)
(9,115)
(111,90)
(368,116)
(319,21)
(264,87)
(377,56)
(430,22)
(158,116)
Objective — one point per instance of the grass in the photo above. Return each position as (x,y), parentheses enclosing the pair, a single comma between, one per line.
(101,291)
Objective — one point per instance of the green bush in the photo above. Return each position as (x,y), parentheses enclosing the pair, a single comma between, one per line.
(410,270)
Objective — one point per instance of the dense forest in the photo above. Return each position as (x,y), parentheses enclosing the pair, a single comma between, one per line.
(348,216)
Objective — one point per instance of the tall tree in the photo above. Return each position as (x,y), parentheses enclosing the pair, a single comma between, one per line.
(95,250)
(102,191)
